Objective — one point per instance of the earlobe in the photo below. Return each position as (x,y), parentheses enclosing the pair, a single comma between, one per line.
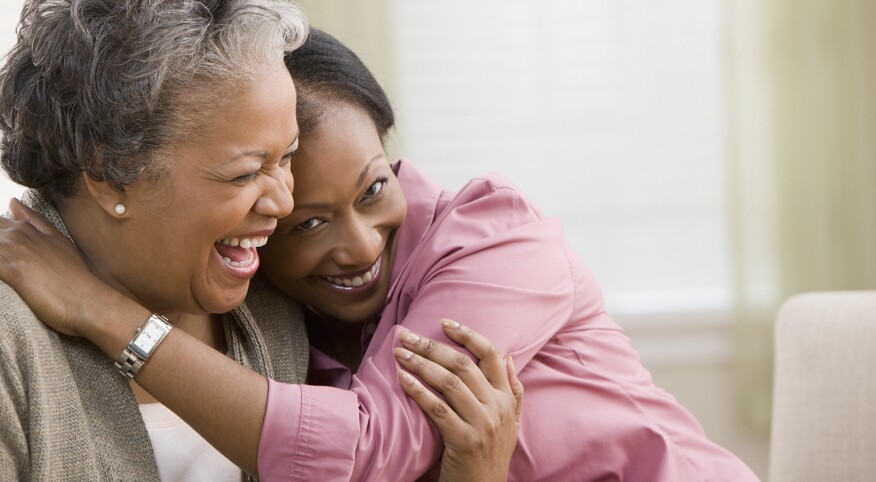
(110,200)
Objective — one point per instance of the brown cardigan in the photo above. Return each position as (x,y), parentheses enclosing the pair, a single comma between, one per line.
(67,414)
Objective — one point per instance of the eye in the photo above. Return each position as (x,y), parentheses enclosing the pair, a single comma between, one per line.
(287,158)
(246,177)
(375,189)
(309,225)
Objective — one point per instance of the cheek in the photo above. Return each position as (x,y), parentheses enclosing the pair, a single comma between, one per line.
(400,209)
(286,262)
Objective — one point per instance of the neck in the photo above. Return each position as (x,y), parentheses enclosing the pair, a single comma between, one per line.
(206,328)
(90,228)
(338,339)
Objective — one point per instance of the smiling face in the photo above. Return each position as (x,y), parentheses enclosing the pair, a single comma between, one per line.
(188,239)
(334,252)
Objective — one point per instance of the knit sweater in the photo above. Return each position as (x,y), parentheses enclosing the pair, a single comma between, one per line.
(67,414)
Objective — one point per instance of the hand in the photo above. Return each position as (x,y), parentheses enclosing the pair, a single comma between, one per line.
(481,418)
(47,271)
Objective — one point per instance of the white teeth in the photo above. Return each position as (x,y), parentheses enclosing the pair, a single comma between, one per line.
(356,281)
(246,243)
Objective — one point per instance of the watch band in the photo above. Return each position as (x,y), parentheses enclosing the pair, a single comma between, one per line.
(144,343)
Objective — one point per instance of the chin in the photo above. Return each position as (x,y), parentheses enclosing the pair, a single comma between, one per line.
(223,304)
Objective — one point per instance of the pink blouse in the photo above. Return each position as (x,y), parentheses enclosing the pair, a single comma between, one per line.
(486,257)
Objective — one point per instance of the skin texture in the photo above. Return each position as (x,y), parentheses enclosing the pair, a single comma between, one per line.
(161,251)
(349,207)
(480,448)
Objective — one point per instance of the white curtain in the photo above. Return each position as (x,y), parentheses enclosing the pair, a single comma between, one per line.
(803,77)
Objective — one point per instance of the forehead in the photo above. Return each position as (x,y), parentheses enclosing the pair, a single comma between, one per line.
(336,150)
(251,115)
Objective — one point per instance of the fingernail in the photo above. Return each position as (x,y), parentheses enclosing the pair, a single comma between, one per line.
(405,377)
(510,361)
(409,337)
(450,324)
(403,354)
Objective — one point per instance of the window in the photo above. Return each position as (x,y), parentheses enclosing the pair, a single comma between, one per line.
(608,114)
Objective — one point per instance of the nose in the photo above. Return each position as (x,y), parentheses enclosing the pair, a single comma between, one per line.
(359,244)
(276,201)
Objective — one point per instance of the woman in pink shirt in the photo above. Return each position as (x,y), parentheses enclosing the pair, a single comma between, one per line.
(377,252)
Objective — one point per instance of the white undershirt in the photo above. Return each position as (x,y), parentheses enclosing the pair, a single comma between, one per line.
(180,453)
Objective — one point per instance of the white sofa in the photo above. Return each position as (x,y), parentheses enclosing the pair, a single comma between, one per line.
(824,402)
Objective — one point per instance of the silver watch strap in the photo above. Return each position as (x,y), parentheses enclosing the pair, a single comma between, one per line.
(132,358)
(129,363)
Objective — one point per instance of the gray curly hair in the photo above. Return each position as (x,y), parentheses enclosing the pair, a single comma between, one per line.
(101,85)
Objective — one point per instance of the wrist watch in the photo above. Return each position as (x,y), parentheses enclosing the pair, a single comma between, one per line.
(144,343)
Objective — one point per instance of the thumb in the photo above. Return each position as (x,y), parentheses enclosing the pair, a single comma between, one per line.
(22,213)
(516,386)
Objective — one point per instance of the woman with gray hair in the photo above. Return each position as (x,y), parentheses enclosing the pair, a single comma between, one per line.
(157,136)
(150,131)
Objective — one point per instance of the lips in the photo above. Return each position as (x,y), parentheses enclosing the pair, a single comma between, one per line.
(239,256)
(355,283)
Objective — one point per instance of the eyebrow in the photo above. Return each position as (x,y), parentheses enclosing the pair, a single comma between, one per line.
(259,154)
(321,206)
(365,169)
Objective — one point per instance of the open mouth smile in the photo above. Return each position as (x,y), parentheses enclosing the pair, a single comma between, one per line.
(239,255)
(358,282)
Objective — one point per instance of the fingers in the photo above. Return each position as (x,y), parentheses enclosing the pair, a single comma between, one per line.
(447,360)
(465,388)
(445,419)
(22,213)
(516,386)
(491,361)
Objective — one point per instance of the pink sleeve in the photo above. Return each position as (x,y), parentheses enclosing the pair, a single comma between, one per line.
(306,424)
(494,264)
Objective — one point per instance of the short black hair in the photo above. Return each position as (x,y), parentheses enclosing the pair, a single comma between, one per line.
(325,71)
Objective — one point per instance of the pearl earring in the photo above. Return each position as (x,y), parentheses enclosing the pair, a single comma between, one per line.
(120,209)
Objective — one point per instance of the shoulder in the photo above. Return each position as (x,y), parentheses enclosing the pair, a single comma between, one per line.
(489,231)
(16,318)
(20,329)
(496,191)
(491,209)
(491,200)
(417,184)
(279,323)
(24,340)
(25,345)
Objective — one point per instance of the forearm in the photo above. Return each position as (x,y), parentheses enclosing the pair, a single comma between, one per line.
(221,400)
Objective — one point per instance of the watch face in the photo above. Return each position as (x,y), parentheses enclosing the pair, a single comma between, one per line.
(148,337)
